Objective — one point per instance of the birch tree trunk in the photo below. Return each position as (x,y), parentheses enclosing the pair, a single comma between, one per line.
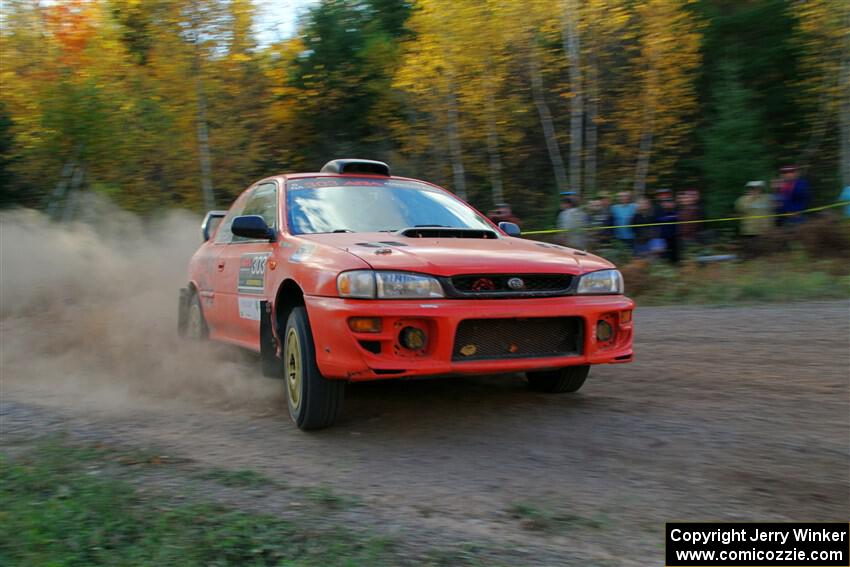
(572,46)
(493,152)
(592,134)
(454,145)
(201,117)
(647,137)
(539,96)
(204,148)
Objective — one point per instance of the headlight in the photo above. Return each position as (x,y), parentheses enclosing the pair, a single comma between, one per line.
(601,282)
(366,284)
(360,283)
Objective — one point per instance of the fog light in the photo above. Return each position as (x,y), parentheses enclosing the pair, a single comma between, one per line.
(604,332)
(365,324)
(412,338)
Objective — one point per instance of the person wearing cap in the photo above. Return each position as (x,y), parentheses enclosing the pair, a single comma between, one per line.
(795,193)
(573,221)
(754,203)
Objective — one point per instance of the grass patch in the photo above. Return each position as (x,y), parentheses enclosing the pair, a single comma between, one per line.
(790,277)
(239,478)
(62,507)
(535,518)
(331,500)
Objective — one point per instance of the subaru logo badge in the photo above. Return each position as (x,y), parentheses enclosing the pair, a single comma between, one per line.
(516,283)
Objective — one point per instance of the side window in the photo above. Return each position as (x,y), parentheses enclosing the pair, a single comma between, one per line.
(224,236)
(262,202)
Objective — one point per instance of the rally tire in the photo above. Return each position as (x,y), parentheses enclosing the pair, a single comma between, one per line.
(313,401)
(568,379)
(196,323)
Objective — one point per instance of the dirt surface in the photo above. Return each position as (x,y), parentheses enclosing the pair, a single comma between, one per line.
(726,414)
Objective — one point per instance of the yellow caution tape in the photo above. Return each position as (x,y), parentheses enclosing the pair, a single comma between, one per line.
(700,221)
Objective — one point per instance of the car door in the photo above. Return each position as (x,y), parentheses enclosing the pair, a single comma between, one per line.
(213,266)
(243,271)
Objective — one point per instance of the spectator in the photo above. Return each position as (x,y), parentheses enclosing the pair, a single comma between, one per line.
(689,211)
(795,193)
(599,215)
(753,203)
(669,233)
(660,195)
(574,221)
(503,213)
(845,197)
(643,234)
(564,195)
(623,213)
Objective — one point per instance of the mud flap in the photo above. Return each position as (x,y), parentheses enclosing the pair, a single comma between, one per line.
(183,311)
(268,344)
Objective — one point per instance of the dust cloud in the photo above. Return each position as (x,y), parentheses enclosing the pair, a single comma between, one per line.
(88,313)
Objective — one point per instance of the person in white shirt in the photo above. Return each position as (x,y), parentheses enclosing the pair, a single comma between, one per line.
(574,221)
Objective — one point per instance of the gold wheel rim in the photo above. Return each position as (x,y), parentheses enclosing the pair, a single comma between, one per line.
(293,368)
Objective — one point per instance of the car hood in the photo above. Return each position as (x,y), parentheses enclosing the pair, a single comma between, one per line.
(451,256)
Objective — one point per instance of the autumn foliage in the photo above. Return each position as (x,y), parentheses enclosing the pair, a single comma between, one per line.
(160,103)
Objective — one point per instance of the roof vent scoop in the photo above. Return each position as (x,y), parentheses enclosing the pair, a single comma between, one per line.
(356,166)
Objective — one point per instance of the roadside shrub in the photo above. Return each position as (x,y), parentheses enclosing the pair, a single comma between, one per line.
(824,237)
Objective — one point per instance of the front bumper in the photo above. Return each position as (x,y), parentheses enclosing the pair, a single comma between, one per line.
(341,354)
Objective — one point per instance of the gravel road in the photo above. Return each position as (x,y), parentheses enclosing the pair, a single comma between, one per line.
(726,414)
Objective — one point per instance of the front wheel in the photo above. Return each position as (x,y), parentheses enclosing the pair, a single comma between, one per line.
(313,402)
(568,379)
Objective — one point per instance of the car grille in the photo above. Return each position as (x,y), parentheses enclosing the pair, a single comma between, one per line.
(478,339)
(498,285)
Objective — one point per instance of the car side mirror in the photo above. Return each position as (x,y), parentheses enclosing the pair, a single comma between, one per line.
(211,222)
(252,226)
(510,228)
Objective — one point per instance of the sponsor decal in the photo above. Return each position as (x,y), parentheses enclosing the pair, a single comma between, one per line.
(249,308)
(252,273)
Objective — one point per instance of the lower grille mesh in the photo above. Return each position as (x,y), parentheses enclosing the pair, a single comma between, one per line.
(478,339)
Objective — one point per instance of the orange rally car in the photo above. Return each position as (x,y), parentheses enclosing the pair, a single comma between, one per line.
(352,274)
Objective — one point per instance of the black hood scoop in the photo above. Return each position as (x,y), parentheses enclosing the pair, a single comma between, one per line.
(446,232)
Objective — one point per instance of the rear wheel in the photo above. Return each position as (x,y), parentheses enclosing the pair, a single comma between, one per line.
(313,401)
(196,324)
(568,379)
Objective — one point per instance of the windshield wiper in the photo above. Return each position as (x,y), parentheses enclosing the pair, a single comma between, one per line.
(341,230)
(431,226)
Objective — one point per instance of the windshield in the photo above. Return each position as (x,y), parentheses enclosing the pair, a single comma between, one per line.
(358,204)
